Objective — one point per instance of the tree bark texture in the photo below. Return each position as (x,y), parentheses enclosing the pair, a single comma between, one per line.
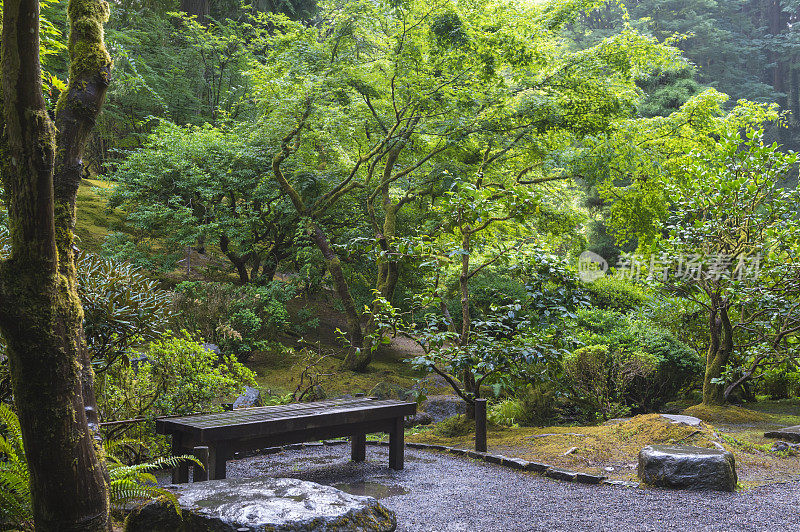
(40,312)
(719,352)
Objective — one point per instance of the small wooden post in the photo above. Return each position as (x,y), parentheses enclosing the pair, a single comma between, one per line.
(200,473)
(480,425)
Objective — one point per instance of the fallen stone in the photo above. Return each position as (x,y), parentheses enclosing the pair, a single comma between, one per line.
(441,407)
(788,433)
(250,397)
(621,483)
(687,420)
(684,466)
(560,474)
(275,504)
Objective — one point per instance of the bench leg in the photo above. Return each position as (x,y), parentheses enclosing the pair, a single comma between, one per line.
(217,456)
(396,444)
(180,474)
(358,447)
(200,473)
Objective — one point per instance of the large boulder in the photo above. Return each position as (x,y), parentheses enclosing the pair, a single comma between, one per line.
(441,407)
(687,467)
(262,504)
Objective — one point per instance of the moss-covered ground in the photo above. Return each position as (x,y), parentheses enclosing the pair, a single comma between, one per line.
(94,219)
(612,449)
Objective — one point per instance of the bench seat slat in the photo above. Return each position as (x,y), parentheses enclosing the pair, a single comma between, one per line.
(263,421)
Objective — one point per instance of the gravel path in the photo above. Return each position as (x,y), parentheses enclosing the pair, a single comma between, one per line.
(441,493)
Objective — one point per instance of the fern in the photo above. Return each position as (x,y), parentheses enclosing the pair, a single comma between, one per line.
(15,495)
(128,483)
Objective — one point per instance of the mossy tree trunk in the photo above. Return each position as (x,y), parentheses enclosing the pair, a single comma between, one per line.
(40,313)
(719,352)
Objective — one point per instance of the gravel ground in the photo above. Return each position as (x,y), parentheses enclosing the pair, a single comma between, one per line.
(441,493)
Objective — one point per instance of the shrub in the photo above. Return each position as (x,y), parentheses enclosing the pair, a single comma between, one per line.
(677,365)
(121,307)
(240,319)
(598,376)
(610,293)
(533,405)
(780,383)
(178,376)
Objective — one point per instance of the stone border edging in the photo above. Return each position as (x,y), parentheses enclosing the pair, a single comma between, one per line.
(519,464)
(547,470)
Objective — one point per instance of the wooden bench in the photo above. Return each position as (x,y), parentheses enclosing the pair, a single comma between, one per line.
(249,429)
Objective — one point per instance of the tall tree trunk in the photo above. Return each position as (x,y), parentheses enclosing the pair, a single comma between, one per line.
(40,313)
(466,319)
(355,360)
(719,352)
(239,262)
(199,8)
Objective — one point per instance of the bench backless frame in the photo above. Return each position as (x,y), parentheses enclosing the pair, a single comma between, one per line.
(248,429)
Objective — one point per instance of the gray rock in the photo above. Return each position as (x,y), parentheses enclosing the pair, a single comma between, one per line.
(431,384)
(687,420)
(388,390)
(441,407)
(250,397)
(586,478)
(789,433)
(515,463)
(560,474)
(684,466)
(537,467)
(779,446)
(261,504)
(420,418)
(214,348)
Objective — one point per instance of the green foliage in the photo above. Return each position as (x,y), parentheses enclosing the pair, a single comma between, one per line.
(15,496)
(241,320)
(176,376)
(531,405)
(122,307)
(599,376)
(676,365)
(612,293)
(779,382)
(203,186)
(128,483)
(190,378)
(136,483)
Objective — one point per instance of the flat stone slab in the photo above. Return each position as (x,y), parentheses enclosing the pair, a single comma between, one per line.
(789,434)
(687,467)
(688,420)
(262,504)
